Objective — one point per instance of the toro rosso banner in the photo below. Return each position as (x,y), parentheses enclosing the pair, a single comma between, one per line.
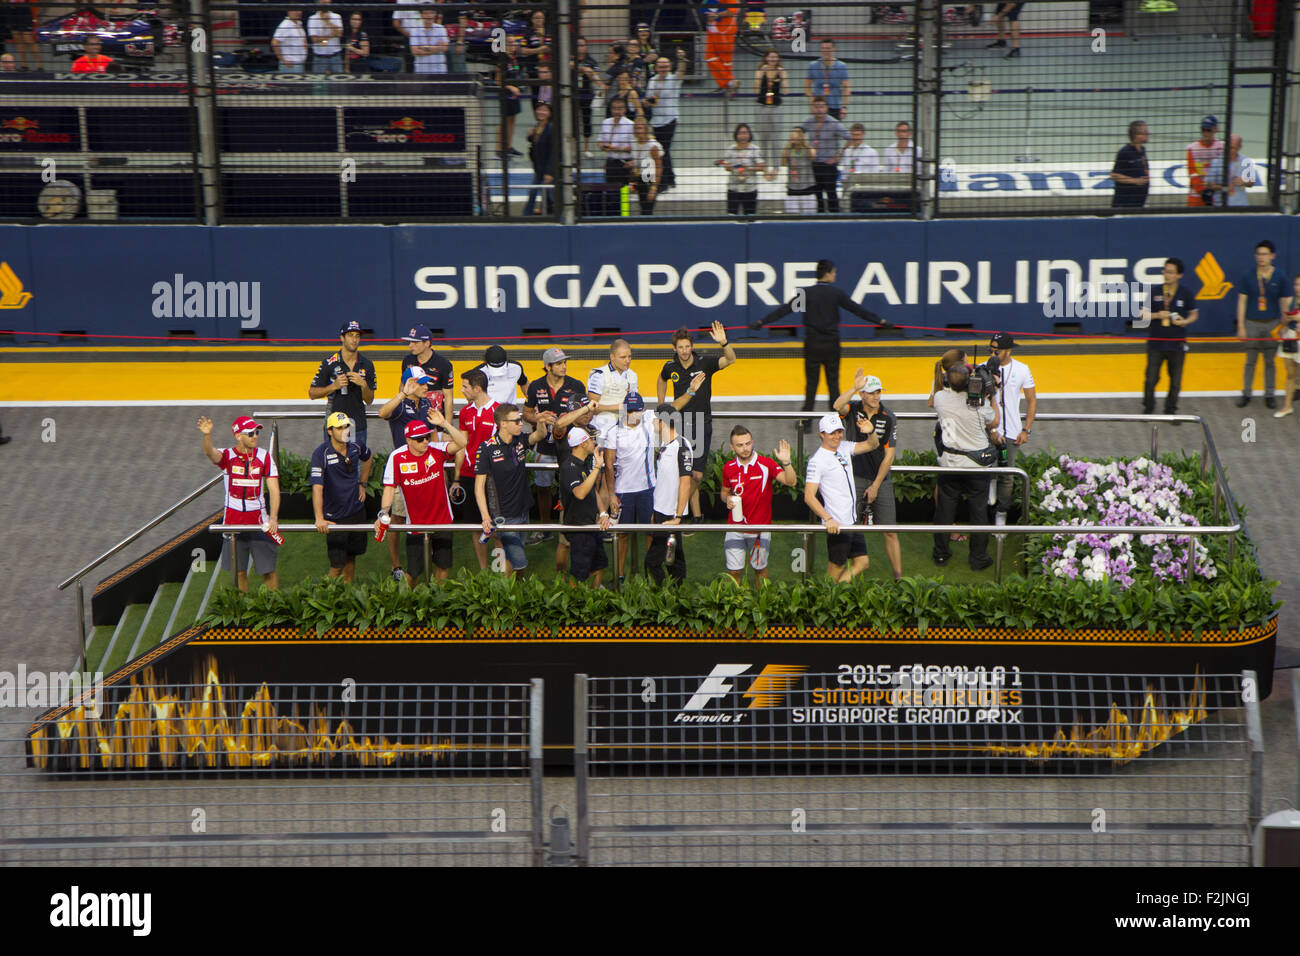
(468,281)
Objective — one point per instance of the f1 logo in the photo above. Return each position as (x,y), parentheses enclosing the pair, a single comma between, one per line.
(714,685)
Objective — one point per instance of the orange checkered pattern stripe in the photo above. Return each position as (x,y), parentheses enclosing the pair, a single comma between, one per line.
(936,635)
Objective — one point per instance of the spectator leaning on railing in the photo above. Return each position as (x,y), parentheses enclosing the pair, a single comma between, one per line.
(1131,172)
(825,136)
(429,43)
(1229,190)
(770,86)
(615,141)
(901,156)
(326,32)
(94,60)
(290,42)
(800,185)
(662,96)
(646,166)
(357,45)
(744,164)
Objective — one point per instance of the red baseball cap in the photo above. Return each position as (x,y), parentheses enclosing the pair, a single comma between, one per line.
(245,424)
(418,429)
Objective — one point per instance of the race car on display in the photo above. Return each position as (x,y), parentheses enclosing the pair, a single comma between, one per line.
(133,34)
(477,30)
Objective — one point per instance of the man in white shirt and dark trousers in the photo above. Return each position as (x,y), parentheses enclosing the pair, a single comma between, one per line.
(615,141)
(661,95)
(1013,378)
(326,32)
(830,477)
(671,498)
(965,431)
(290,42)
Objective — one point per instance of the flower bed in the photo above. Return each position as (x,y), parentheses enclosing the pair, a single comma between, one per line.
(1138,492)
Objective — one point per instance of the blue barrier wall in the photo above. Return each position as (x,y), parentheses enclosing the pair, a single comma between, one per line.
(494,280)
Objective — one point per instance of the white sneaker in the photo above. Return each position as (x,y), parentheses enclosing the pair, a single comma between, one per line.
(1283,413)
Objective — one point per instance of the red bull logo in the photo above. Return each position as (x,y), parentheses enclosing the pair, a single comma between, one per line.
(25,130)
(21,123)
(406,124)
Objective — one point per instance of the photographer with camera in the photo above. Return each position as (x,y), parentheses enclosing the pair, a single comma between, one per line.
(966,420)
(1011,378)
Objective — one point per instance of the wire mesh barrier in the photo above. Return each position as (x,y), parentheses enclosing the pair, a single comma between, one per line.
(915,766)
(247,112)
(217,771)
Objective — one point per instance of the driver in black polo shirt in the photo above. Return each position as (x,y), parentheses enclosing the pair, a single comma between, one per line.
(697,413)
(584,504)
(543,405)
(501,481)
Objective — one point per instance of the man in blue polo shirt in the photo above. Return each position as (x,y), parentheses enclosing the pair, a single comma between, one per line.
(1262,300)
(339,472)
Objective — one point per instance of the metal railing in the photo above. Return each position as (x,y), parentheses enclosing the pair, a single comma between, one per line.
(972,123)
(969,768)
(291,773)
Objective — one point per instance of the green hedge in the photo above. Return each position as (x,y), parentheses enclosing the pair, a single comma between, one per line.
(1237,599)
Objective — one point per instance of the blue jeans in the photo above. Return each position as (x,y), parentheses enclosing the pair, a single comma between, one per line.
(294,68)
(329,63)
(513,542)
(530,204)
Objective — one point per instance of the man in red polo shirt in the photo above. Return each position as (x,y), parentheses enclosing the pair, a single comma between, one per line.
(418,468)
(478,423)
(747,482)
(94,61)
(246,467)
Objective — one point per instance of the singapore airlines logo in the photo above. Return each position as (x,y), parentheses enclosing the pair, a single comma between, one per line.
(1210,273)
(12,295)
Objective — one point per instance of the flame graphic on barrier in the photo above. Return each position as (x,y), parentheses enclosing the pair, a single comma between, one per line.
(152,727)
(1119,738)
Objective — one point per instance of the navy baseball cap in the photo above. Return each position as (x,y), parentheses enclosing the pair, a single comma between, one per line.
(495,356)
(1209,122)
(634,402)
(420,333)
(1003,340)
(346,327)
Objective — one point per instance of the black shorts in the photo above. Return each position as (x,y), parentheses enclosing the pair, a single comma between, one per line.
(842,547)
(439,550)
(586,553)
(344,545)
(1010,10)
(510,107)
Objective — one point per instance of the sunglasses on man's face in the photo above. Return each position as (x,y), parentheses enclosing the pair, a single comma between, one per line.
(252,434)
(514,421)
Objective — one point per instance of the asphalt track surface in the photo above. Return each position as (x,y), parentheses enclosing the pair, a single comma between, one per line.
(78,479)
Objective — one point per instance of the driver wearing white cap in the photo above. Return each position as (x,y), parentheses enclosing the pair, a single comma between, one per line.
(830,478)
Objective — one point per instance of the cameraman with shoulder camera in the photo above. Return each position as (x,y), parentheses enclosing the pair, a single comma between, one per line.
(1011,378)
(966,419)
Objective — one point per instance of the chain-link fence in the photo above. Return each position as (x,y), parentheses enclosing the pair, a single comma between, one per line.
(924,766)
(375,112)
(215,771)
